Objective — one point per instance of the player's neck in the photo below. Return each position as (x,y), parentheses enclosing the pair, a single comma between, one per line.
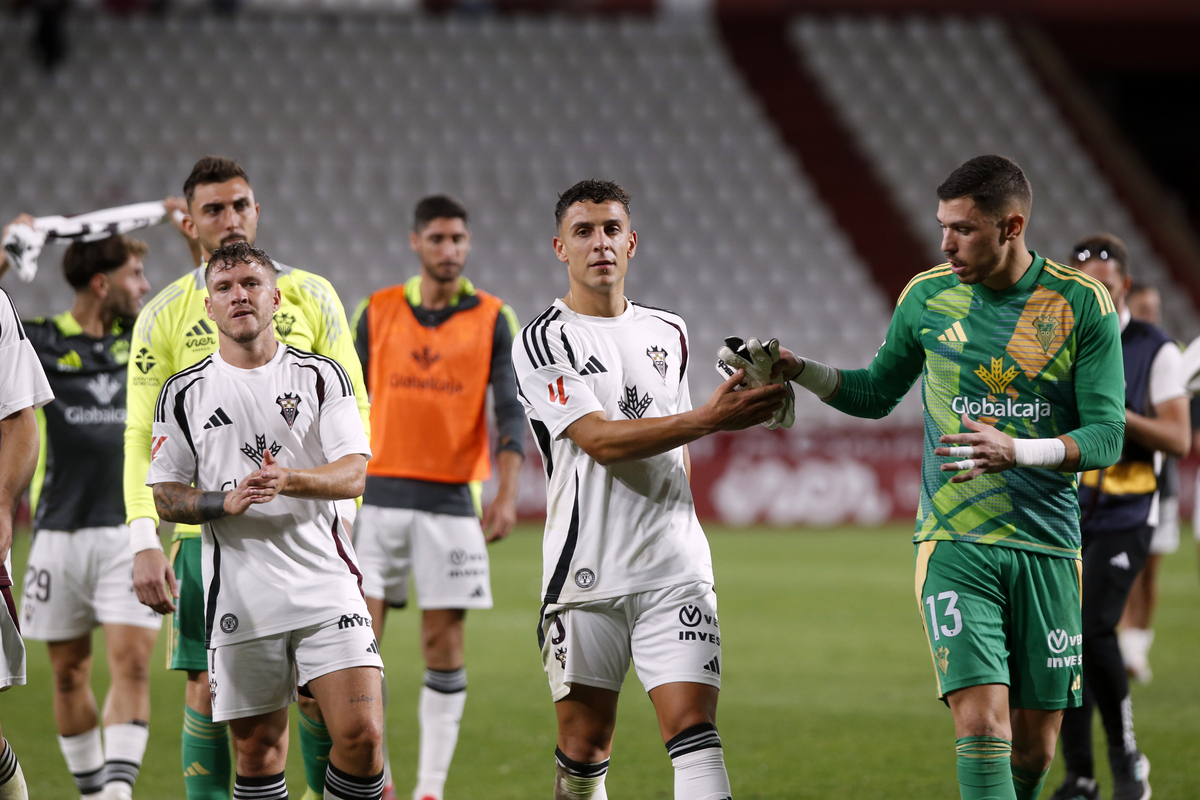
(590,303)
(1014,266)
(95,320)
(435,294)
(252,354)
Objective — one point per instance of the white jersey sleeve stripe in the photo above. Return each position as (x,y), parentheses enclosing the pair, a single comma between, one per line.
(529,337)
(554,588)
(16,318)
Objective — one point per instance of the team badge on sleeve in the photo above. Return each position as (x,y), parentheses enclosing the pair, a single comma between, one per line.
(659,358)
(289,408)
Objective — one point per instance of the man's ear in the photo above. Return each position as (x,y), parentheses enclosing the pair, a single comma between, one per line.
(1012,226)
(99,285)
(560,249)
(632,244)
(208,308)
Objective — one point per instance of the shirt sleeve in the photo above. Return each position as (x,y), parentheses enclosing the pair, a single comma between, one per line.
(360,325)
(172,459)
(152,362)
(1099,388)
(23,383)
(341,427)
(510,414)
(334,340)
(1166,374)
(873,392)
(557,393)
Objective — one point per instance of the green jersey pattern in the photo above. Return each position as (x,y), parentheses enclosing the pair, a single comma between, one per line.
(1037,360)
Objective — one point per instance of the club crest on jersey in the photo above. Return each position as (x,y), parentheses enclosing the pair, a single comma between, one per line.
(284,322)
(942,654)
(1046,327)
(289,408)
(658,357)
(634,406)
(255,452)
(120,351)
(585,578)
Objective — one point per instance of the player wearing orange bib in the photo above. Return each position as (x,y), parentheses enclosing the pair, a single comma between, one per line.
(430,348)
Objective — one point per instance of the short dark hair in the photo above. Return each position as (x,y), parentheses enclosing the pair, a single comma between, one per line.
(590,191)
(994,183)
(1137,287)
(85,259)
(438,206)
(212,169)
(1104,246)
(234,253)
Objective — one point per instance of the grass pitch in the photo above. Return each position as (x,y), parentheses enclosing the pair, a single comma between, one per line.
(828,685)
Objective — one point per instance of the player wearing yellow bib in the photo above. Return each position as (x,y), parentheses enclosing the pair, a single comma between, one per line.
(173,333)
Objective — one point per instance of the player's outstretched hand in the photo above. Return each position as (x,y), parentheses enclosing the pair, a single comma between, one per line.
(788,366)
(154,580)
(734,410)
(176,210)
(21,219)
(983,450)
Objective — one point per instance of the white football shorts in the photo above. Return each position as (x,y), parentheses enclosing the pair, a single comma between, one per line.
(12,649)
(261,675)
(1166,532)
(672,636)
(446,554)
(76,580)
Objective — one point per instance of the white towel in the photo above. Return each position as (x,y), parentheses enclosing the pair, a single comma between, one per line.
(23,243)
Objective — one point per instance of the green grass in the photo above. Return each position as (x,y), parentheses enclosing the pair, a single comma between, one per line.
(828,685)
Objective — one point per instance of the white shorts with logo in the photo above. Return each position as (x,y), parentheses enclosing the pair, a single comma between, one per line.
(1166,532)
(76,580)
(261,675)
(12,649)
(672,636)
(447,555)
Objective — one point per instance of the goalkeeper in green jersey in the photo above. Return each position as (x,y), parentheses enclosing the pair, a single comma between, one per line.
(173,333)
(1022,386)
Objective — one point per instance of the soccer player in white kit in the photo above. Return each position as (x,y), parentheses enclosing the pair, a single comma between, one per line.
(23,388)
(283,594)
(627,572)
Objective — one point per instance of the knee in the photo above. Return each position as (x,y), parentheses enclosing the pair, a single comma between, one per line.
(360,740)
(1033,756)
(259,749)
(131,668)
(70,678)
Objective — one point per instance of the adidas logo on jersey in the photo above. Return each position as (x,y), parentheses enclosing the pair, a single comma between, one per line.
(1120,560)
(713,666)
(478,592)
(954,333)
(218,419)
(201,335)
(592,367)
(373,647)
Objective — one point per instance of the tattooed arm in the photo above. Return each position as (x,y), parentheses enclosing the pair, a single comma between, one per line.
(177,502)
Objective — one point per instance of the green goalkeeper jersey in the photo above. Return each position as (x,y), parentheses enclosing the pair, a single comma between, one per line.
(173,332)
(1037,360)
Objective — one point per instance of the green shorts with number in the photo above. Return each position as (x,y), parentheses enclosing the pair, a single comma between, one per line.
(185,639)
(997,614)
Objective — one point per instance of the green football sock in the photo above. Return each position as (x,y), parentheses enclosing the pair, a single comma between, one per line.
(985,768)
(207,766)
(315,744)
(1027,783)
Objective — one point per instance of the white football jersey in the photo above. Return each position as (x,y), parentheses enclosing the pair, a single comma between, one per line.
(285,564)
(628,527)
(23,384)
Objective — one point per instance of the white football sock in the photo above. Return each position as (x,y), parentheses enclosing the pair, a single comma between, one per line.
(577,781)
(12,780)
(442,700)
(124,748)
(84,754)
(699,764)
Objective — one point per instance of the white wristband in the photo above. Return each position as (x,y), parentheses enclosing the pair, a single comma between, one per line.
(818,378)
(143,535)
(1041,453)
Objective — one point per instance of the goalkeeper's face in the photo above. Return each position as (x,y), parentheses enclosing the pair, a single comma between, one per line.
(976,244)
(596,241)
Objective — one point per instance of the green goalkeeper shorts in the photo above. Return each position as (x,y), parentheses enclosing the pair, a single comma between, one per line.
(185,639)
(996,614)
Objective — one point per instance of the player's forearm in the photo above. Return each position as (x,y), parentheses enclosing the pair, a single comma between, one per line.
(185,504)
(139,499)
(860,394)
(616,441)
(1169,434)
(343,479)
(1099,445)
(508,465)
(18,457)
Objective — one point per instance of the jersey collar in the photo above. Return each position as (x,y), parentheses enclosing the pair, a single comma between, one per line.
(69,326)
(412,291)
(1028,280)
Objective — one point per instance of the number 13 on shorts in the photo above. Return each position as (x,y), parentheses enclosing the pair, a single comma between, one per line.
(949,621)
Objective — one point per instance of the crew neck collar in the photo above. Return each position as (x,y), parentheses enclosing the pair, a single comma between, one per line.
(1020,287)
(602,321)
(252,372)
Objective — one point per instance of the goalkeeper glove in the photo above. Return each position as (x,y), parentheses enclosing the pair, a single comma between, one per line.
(757,359)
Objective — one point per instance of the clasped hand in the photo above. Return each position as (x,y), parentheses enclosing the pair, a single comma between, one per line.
(984,450)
